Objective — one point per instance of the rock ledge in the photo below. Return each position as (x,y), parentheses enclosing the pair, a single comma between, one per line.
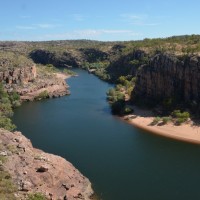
(34,171)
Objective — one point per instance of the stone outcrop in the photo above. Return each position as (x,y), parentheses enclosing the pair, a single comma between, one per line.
(34,171)
(64,59)
(29,84)
(169,76)
(126,64)
(54,87)
(93,55)
(18,75)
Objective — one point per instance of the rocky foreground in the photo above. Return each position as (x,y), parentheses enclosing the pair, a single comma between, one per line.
(34,171)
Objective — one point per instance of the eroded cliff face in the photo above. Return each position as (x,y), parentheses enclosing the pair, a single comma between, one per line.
(58,59)
(126,64)
(168,76)
(34,171)
(29,83)
(20,75)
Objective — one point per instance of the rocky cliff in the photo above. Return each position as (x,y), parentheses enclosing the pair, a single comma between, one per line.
(51,85)
(29,81)
(34,171)
(56,58)
(124,65)
(18,75)
(169,76)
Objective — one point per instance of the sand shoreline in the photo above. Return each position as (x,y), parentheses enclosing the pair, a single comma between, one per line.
(186,132)
(62,75)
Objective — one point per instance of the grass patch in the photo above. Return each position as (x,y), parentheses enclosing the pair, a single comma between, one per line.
(69,72)
(3,159)
(36,196)
(7,187)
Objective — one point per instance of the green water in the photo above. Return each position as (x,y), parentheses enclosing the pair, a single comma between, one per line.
(122,162)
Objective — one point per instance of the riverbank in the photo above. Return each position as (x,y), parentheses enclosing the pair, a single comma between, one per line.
(142,119)
(54,86)
(62,75)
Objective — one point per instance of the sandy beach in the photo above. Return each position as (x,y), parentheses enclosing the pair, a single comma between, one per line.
(186,132)
(62,75)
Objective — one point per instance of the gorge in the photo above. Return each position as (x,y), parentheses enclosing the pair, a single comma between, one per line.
(121,161)
(163,73)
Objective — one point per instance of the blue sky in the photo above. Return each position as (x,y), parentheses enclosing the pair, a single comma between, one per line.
(106,20)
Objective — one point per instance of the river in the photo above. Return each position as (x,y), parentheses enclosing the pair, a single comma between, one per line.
(122,162)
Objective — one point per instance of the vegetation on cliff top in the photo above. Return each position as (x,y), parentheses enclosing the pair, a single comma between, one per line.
(13,60)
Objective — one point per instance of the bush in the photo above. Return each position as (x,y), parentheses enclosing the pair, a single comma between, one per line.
(6,109)
(179,114)
(119,87)
(36,196)
(111,92)
(42,95)
(185,115)
(113,95)
(6,123)
(180,117)
(122,80)
(156,120)
(127,110)
(165,120)
(179,121)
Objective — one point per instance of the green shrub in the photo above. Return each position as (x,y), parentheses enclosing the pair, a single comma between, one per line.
(119,87)
(185,115)
(111,92)
(122,80)
(36,196)
(42,95)
(113,95)
(6,109)
(165,120)
(156,120)
(179,114)
(176,113)
(6,123)
(180,117)
(127,110)
(179,121)
(14,99)
(129,90)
